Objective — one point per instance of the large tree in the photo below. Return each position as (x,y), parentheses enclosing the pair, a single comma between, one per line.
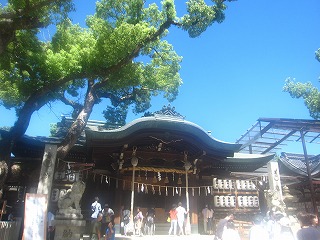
(121,55)
(29,14)
(306,91)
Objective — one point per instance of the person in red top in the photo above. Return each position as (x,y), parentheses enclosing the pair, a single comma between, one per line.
(173,220)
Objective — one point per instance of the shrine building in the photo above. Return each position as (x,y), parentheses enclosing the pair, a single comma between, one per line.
(153,161)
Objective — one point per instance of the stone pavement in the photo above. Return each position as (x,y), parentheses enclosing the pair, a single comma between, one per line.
(165,237)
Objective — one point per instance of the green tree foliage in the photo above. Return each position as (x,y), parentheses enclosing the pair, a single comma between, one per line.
(306,91)
(121,55)
(20,15)
(53,129)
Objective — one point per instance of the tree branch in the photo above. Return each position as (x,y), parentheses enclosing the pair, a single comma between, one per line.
(116,99)
(26,18)
(76,106)
(69,102)
(79,124)
(134,53)
(26,11)
(37,100)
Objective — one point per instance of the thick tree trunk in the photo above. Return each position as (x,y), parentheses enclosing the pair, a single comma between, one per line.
(5,152)
(19,128)
(78,126)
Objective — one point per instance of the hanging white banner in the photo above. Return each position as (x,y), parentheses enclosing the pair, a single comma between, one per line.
(35,220)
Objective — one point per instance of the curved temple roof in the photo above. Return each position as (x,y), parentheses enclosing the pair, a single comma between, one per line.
(157,126)
(157,141)
(175,136)
(296,164)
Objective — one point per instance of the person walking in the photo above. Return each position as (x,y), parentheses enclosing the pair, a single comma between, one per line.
(181,211)
(95,208)
(107,216)
(173,220)
(96,228)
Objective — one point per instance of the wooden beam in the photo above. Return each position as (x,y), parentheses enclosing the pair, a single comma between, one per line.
(257,136)
(278,142)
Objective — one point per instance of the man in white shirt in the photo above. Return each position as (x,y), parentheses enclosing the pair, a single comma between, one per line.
(96,208)
(181,211)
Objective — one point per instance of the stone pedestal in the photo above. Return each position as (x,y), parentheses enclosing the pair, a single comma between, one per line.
(69,214)
(69,229)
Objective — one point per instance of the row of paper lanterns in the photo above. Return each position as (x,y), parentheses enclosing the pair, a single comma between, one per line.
(229,184)
(230,201)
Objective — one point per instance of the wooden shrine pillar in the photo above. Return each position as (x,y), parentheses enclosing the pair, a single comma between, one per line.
(193,198)
(312,192)
(118,201)
(188,225)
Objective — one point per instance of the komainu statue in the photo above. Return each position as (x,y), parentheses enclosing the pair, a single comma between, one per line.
(3,175)
(69,203)
(274,201)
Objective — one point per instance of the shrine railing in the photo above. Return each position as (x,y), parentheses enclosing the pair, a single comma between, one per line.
(10,230)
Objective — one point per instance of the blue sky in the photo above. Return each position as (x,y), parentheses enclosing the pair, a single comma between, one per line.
(234,72)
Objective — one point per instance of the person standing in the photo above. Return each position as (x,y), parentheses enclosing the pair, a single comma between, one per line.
(124,220)
(96,228)
(11,216)
(138,222)
(121,220)
(257,231)
(308,230)
(95,208)
(210,220)
(286,232)
(230,232)
(150,221)
(205,215)
(221,226)
(181,211)
(110,232)
(108,215)
(51,228)
(173,220)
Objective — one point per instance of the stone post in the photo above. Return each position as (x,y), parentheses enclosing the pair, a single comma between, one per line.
(275,199)
(47,170)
